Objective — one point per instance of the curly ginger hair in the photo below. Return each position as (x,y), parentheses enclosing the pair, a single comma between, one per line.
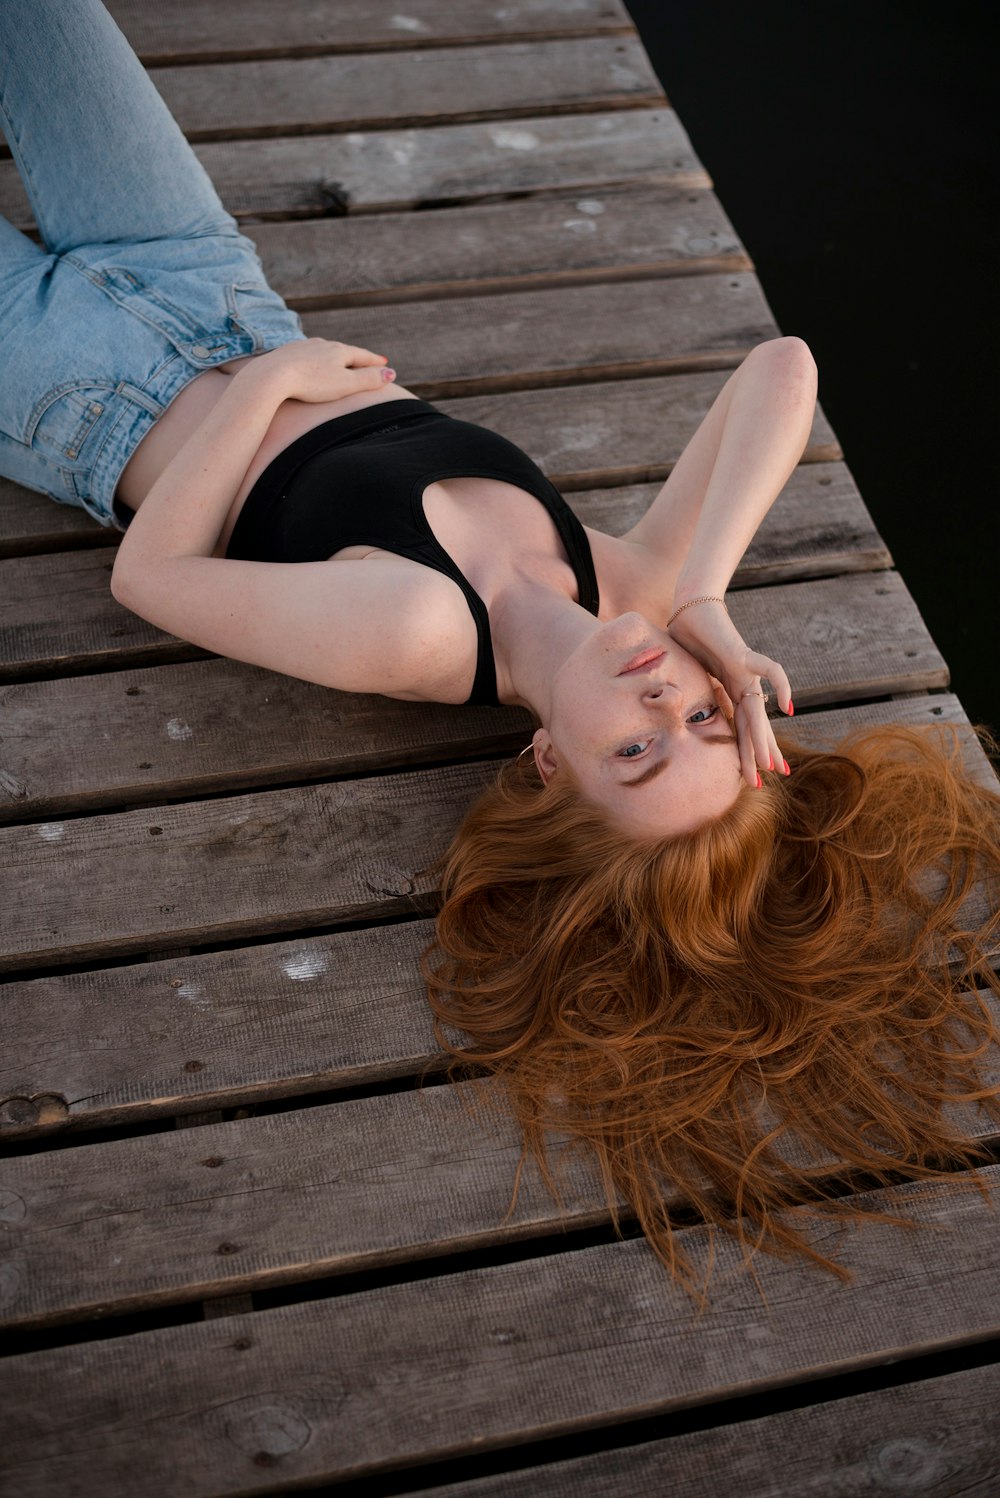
(745,1017)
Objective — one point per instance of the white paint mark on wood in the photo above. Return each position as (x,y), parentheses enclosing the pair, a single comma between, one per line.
(307,964)
(52,831)
(580,225)
(178,730)
(509,139)
(407,23)
(195,994)
(589,205)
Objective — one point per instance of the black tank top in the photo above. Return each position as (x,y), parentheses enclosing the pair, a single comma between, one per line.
(359,480)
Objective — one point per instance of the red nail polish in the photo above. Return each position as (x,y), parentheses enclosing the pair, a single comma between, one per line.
(788,770)
(387,374)
(791,708)
(760,783)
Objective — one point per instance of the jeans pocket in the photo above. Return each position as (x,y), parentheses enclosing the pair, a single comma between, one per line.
(64,424)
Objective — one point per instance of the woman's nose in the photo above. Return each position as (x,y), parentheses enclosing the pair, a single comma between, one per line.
(665,694)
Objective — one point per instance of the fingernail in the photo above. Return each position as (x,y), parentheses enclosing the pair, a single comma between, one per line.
(791,708)
(787,767)
(760,783)
(387,373)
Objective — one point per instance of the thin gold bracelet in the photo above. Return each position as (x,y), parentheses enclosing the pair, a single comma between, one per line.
(705,598)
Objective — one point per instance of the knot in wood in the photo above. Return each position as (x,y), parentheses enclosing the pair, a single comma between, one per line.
(45,1110)
(266,1431)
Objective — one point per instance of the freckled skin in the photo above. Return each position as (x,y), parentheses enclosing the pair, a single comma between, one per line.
(597,713)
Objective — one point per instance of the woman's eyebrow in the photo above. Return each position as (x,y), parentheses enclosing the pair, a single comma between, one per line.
(661,764)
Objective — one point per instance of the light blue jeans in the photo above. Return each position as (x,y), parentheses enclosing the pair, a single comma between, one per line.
(144,279)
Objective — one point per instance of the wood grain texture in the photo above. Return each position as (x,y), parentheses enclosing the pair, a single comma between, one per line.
(489,1358)
(184,1034)
(613,432)
(611,232)
(230,869)
(216,725)
(372,90)
(110,1228)
(311,1014)
(563,336)
(57,615)
(376,170)
(177,31)
(116,1227)
(32,522)
(939,1439)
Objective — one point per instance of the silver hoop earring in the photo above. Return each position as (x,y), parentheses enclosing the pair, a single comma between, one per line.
(525,751)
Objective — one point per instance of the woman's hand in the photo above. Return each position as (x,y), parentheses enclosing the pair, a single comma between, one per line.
(706,631)
(317,369)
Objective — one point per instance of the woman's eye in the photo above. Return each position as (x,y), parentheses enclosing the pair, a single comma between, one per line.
(704,714)
(631,751)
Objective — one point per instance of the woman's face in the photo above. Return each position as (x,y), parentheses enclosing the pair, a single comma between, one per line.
(636,720)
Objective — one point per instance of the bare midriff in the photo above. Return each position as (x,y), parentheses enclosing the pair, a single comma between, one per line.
(189,409)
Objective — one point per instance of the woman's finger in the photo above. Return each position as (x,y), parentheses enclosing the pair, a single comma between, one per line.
(762,665)
(744,741)
(356,358)
(760,733)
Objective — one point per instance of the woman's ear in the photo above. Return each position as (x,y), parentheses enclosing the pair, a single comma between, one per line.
(545,754)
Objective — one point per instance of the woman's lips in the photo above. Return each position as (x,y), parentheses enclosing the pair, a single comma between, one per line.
(644,659)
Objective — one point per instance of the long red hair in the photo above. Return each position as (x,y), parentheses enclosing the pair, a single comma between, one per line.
(746,1017)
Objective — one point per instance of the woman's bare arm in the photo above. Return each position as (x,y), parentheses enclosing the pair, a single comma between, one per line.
(707,513)
(732,470)
(184,511)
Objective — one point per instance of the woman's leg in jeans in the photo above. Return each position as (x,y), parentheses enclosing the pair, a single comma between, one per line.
(101,156)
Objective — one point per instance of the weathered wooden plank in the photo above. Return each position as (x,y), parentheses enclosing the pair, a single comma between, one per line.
(939,1438)
(185,1034)
(618,432)
(116,1227)
(229,869)
(172,731)
(613,232)
(243,1206)
(57,614)
(818,525)
(313,95)
(373,170)
(489,1358)
(225,869)
(179,31)
(217,725)
(531,339)
(31,522)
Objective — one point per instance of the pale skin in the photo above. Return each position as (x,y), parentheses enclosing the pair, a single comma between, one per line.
(366,620)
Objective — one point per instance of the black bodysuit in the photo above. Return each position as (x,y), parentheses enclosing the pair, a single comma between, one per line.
(359,480)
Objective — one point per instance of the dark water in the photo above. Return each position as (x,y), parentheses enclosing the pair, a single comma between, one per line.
(854,148)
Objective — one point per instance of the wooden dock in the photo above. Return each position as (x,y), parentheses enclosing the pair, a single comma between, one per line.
(252,1241)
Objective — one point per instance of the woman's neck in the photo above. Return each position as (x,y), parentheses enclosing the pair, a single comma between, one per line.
(534,628)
